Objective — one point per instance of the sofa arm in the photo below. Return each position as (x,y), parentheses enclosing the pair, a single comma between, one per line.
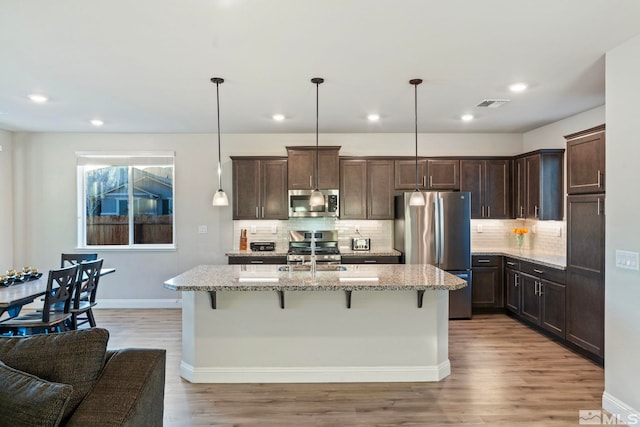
(129,391)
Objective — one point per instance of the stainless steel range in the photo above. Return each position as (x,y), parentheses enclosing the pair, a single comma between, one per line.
(301,247)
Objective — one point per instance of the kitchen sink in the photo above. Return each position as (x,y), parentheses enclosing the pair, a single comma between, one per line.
(307,267)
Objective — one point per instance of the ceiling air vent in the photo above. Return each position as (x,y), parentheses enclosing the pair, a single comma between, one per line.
(493,103)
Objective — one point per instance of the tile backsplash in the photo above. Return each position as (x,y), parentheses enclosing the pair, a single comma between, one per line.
(544,237)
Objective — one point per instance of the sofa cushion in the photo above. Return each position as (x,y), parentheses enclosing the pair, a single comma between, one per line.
(74,357)
(26,400)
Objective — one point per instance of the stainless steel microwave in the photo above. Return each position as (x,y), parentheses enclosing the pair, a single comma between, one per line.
(299,204)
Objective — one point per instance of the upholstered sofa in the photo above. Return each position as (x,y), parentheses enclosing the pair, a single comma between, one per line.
(71,379)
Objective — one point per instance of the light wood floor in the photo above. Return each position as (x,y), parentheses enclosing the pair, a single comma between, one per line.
(503,374)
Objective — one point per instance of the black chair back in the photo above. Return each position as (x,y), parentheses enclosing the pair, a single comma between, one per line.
(88,278)
(74,259)
(60,287)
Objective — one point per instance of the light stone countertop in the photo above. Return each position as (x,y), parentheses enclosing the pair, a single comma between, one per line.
(553,261)
(356,277)
(372,252)
(237,252)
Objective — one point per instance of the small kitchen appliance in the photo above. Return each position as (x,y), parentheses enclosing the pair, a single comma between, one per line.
(263,246)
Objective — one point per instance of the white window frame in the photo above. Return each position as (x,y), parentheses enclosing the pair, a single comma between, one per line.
(129,159)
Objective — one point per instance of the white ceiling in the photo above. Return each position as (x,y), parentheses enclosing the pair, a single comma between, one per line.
(145,65)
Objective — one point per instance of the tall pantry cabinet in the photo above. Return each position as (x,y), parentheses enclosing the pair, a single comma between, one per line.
(585,239)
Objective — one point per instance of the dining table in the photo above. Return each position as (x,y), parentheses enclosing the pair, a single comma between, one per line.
(14,297)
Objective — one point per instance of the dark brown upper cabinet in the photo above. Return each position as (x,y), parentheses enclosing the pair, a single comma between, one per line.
(366,188)
(488,181)
(260,188)
(302,167)
(586,161)
(538,185)
(433,174)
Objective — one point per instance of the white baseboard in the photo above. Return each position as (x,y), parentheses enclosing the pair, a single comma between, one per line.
(316,374)
(139,303)
(626,414)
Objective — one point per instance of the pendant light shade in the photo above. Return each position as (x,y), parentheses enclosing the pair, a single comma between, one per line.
(316,198)
(417,198)
(220,198)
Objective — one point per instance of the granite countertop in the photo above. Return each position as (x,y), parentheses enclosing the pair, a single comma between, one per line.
(553,261)
(237,252)
(269,278)
(372,252)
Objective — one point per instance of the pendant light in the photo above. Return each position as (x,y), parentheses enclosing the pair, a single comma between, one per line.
(417,199)
(220,198)
(316,198)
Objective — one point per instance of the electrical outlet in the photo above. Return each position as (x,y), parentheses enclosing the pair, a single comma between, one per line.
(274,229)
(628,260)
(559,231)
(202,229)
(253,229)
(479,228)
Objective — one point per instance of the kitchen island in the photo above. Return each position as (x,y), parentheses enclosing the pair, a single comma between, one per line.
(250,324)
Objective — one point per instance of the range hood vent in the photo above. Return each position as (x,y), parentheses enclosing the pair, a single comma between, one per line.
(493,103)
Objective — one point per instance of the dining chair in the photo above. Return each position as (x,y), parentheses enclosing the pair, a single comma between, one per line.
(60,286)
(84,294)
(73,259)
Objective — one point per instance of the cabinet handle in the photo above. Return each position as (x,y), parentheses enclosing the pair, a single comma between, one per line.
(599,179)
(535,270)
(517,280)
(370,261)
(424,181)
(430,180)
(535,209)
(598,205)
(511,263)
(483,261)
(256,262)
(263,212)
(310,181)
(257,212)
(535,288)
(488,211)
(521,211)
(540,289)
(483,211)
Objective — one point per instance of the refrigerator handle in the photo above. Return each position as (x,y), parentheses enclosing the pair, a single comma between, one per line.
(436,221)
(441,227)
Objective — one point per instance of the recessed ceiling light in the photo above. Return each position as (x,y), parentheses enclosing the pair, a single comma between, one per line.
(97,122)
(373,117)
(518,87)
(278,117)
(38,98)
(466,117)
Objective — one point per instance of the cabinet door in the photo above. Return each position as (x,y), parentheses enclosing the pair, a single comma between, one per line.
(380,189)
(273,189)
(487,288)
(497,194)
(520,188)
(246,189)
(553,301)
(512,287)
(353,189)
(530,305)
(405,174)
(585,311)
(301,167)
(443,174)
(586,164)
(585,233)
(533,186)
(328,169)
(471,180)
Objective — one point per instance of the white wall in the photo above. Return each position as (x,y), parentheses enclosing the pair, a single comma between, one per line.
(6,199)
(622,299)
(45,194)
(552,135)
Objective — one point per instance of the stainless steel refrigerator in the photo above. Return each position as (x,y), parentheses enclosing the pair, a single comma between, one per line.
(438,233)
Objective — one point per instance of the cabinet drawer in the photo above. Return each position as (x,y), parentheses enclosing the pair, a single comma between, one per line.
(512,263)
(370,259)
(486,261)
(257,260)
(543,272)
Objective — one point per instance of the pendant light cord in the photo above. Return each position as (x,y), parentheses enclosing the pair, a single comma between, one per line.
(317,115)
(219,151)
(415,98)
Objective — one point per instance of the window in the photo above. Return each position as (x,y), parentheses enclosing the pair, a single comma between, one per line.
(126,200)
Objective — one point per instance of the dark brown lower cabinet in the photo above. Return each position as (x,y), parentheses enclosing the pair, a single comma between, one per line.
(370,259)
(258,259)
(512,289)
(487,291)
(543,303)
(585,311)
